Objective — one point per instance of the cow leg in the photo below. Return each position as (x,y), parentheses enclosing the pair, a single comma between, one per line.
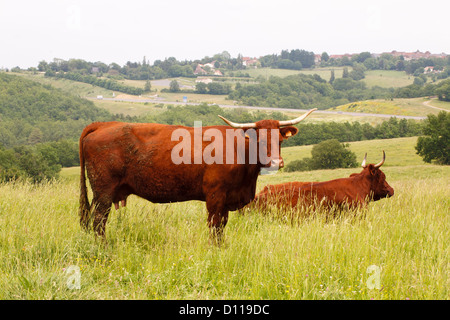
(216,224)
(217,218)
(101,212)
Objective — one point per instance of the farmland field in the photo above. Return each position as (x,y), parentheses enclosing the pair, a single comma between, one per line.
(156,251)
(406,107)
(387,78)
(324,73)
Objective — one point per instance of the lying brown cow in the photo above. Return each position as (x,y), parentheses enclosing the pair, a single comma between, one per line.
(147,160)
(354,191)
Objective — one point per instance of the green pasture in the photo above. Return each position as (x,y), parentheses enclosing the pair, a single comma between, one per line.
(405,107)
(324,73)
(80,89)
(387,78)
(163,251)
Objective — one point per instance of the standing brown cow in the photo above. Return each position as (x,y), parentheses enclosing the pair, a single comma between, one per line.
(126,158)
(354,191)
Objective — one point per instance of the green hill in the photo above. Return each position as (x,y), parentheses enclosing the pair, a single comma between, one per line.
(31,110)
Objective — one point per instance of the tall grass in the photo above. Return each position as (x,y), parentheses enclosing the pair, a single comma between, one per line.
(158,251)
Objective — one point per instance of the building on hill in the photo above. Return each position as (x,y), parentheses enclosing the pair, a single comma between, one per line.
(200,71)
(340,56)
(203,80)
(317,58)
(250,62)
(207,68)
(417,55)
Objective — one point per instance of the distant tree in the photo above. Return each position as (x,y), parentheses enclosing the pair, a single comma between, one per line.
(443,91)
(400,65)
(219,88)
(325,57)
(328,154)
(345,73)
(174,86)
(332,78)
(304,164)
(363,56)
(35,136)
(239,62)
(371,63)
(345,61)
(418,81)
(42,66)
(201,88)
(148,86)
(331,154)
(358,71)
(226,56)
(435,145)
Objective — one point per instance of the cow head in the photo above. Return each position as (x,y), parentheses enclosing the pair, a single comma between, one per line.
(379,186)
(267,133)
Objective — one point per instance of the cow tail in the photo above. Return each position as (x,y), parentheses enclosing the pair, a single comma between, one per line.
(85,206)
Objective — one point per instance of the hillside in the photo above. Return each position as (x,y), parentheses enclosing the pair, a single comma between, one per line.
(404,107)
(28,107)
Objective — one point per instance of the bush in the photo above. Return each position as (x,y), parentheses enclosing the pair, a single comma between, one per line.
(436,144)
(25,162)
(304,164)
(328,154)
(331,154)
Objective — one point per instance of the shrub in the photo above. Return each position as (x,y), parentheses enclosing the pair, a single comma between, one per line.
(436,144)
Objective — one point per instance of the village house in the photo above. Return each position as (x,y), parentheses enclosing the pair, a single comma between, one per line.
(250,62)
(199,70)
(207,68)
(340,56)
(417,55)
(317,58)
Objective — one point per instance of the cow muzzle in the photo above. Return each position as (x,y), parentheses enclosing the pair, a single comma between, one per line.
(390,192)
(275,164)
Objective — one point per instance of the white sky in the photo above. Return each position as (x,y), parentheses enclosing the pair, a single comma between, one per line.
(121,31)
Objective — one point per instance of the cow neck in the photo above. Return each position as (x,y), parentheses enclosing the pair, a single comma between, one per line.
(362,179)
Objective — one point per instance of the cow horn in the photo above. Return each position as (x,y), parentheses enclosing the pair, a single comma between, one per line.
(363,164)
(381,162)
(239,125)
(296,120)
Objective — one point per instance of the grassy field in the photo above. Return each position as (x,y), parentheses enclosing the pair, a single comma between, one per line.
(381,78)
(405,107)
(324,73)
(387,78)
(129,108)
(80,89)
(159,251)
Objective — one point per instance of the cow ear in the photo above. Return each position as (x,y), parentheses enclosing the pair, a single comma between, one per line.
(287,132)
